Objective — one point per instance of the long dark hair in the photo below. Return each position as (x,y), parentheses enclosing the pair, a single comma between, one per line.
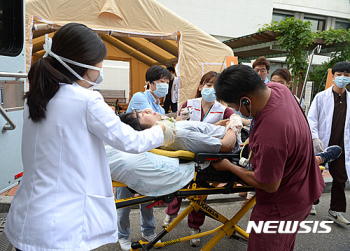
(211,75)
(73,41)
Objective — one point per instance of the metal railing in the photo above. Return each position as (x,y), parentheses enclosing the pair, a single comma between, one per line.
(13,75)
(10,125)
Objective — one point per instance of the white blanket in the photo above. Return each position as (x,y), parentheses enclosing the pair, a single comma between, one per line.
(149,174)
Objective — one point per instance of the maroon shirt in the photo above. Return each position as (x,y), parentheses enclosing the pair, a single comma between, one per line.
(227,114)
(282,148)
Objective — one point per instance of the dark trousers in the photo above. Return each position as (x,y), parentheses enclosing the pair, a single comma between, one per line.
(195,219)
(338,173)
(168,104)
(267,242)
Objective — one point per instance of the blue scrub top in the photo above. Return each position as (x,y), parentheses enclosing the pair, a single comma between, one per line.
(143,100)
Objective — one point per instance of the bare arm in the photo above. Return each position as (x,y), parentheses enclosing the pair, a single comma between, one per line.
(246,122)
(222,122)
(228,142)
(246,175)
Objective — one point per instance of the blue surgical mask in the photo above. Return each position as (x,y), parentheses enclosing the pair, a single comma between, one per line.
(208,94)
(162,89)
(342,81)
(239,111)
(62,60)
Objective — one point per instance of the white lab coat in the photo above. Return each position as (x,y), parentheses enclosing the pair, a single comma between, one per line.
(65,200)
(175,90)
(215,114)
(320,118)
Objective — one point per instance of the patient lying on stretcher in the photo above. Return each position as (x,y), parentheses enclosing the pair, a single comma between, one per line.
(192,136)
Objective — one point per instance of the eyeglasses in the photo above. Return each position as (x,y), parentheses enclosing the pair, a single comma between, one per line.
(260,70)
(137,111)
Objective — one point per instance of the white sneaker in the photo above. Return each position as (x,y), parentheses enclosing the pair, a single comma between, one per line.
(150,238)
(195,242)
(125,244)
(313,210)
(339,217)
(168,219)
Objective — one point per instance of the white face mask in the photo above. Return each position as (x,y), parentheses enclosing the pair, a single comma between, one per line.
(47,47)
(162,89)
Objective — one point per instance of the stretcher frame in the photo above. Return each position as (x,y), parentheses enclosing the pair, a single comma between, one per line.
(196,195)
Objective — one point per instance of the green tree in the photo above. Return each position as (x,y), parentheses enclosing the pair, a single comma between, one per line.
(294,37)
(339,39)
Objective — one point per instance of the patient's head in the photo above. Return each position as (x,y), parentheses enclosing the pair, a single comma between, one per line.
(140,120)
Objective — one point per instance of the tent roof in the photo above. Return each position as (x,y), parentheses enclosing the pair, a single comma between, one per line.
(144,29)
(150,51)
(258,44)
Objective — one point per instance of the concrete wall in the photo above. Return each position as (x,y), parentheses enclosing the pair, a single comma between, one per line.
(335,8)
(223,18)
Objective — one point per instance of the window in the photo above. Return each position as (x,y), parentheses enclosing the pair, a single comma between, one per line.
(316,24)
(11,27)
(342,25)
(279,17)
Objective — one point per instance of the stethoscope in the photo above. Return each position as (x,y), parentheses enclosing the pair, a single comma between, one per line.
(243,161)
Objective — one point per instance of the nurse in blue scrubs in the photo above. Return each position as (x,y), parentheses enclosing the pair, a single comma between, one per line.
(157,80)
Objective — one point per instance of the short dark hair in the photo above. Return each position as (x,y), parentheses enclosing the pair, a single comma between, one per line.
(236,82)
(343,66)
(262,61)
(283,73)
(131,120)
(170,68)
(211,75)
(156,72)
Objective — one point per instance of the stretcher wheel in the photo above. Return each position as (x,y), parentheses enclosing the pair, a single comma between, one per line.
(169,198)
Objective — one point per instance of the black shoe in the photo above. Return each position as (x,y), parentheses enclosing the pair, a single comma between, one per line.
(330,154)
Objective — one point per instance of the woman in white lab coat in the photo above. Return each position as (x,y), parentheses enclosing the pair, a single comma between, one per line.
(65,199)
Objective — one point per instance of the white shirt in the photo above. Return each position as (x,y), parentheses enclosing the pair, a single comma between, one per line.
(65,200)
(216,113)
(175,90)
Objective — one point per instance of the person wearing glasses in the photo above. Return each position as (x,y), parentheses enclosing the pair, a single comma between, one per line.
(157,81)
(262,67)
(194,136)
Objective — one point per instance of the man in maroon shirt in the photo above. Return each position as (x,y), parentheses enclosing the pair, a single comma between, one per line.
(286,176)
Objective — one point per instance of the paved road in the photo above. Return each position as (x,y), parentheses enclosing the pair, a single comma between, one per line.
(337,240)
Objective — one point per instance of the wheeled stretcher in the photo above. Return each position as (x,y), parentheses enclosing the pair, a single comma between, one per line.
(204,183)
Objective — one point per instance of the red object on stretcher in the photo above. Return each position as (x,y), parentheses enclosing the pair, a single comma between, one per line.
(156,203)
